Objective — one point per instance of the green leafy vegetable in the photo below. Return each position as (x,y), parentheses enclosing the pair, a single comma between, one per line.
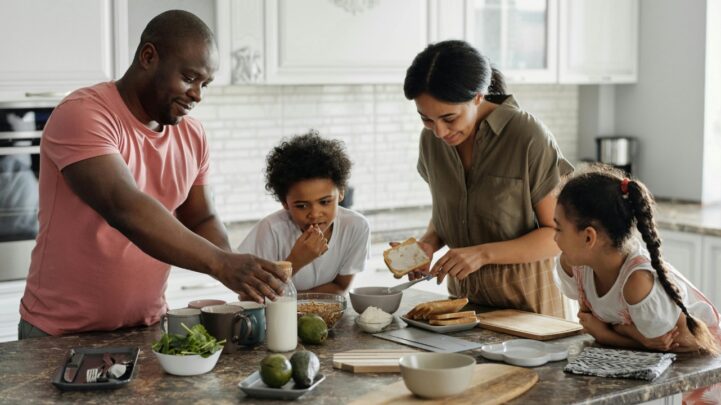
(198,341)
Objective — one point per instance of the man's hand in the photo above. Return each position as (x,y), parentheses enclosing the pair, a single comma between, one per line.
(458,263)
(310,245)
(422,271)
(252,277)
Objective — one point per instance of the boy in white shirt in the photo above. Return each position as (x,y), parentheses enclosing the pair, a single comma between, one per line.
(327,244)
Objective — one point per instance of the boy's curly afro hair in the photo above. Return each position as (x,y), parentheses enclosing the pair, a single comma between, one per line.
(305,157)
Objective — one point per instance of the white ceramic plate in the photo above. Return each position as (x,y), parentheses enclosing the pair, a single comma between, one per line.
(440,328)
(524,352)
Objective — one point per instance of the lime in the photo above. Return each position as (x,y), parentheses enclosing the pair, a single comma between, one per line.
(275,370)
(312,329)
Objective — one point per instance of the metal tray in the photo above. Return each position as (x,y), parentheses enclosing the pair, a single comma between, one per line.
(253,386)
(94,358)
(441,328)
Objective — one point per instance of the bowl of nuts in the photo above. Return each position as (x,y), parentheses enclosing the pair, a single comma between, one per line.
(330,307)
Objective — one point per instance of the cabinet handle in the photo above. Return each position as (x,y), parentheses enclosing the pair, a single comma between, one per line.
(199,286)
(53,94)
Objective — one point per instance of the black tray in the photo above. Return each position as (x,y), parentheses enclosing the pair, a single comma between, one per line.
(94,358)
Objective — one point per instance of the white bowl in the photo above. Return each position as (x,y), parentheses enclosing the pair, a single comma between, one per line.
(437,375)
(372,327)
(187,365)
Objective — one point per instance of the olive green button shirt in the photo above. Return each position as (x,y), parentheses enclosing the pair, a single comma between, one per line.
(515,163)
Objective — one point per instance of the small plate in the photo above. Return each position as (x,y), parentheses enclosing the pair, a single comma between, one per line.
(253,386)
(441,328)
(524,352)
(94,358)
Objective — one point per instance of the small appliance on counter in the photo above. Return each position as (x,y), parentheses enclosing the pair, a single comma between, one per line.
(617,151)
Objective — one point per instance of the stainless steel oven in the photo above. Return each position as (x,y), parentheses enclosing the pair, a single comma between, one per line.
(21,126)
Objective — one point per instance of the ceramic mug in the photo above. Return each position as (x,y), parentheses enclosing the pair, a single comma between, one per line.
(256,312)
(237,325)
(170,321)
(199,304)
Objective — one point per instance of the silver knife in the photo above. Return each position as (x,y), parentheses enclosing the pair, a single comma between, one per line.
(72,366)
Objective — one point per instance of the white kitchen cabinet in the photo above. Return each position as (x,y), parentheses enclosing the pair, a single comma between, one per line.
(10,294)
(519,37)
(54,46)
(326,42)
(696,256)
(131,17)
(598,41)
(185,286)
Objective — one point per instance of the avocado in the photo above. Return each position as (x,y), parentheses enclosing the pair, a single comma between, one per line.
(312,329)
(305,367)
(275,370)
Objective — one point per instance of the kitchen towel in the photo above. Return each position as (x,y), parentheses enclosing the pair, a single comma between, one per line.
(620,363)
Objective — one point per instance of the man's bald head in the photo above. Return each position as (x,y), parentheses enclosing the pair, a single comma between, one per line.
(170,30)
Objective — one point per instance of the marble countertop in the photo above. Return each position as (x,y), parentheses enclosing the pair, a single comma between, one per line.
(400,223)
(27,367)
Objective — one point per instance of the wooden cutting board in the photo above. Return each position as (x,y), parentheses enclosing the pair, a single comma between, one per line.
(370,361)
(527,324)
(491,384)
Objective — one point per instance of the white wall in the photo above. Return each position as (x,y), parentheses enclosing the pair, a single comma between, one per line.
(665,109)
(712,133)
(379,126)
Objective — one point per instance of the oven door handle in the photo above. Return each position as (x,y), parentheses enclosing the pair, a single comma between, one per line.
(19,150)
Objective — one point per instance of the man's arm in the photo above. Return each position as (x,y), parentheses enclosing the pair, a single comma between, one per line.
(339,285)
(106,185)
(198,214)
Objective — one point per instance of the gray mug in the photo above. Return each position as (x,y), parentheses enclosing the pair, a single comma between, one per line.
(232,323)
(170,321)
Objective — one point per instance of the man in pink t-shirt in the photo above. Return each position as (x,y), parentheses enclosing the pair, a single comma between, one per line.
(123,194)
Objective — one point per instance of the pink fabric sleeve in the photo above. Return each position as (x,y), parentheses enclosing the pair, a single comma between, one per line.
(79,130)
(203,176)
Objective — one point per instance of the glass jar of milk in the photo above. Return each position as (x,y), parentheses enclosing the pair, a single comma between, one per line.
(281,316)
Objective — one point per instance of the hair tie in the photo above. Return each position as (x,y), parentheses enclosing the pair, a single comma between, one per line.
(624,186)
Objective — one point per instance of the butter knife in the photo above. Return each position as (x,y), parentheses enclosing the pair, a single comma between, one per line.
(72,366)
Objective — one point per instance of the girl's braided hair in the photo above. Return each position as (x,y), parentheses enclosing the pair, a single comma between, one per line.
(596,198)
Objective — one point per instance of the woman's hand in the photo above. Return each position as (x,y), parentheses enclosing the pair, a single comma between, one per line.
(664,343)
(458,263)
(423,271)
(310,245)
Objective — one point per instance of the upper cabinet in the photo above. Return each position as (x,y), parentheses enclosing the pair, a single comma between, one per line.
(519,37)
(132,16)
(338,41)
(598,41)
(50,47)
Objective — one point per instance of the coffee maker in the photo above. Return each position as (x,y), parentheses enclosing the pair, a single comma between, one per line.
(617,151)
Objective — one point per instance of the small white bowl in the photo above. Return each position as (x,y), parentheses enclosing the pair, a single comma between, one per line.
(372,327)
(187,365)
(437,375)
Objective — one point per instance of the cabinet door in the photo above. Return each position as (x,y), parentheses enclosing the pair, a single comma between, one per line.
(55,46)
(185,286)
(711,266)
(598,41)
(10,294)
(519,37)
(683,251)
(325,42)
(133,15)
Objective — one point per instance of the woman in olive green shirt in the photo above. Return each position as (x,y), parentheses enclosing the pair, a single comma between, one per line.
(492,169)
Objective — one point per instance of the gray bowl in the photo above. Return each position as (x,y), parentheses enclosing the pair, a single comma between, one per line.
(364,297)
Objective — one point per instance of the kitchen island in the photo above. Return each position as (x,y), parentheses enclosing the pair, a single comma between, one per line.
(28,366)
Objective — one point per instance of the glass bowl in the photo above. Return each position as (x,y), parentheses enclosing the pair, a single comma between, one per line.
(330,307)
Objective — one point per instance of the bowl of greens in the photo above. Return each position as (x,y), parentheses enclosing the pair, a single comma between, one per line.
(193,354)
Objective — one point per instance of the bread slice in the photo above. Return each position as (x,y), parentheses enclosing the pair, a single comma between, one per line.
(405,257)
(454,315)
(426,309)
(457,321)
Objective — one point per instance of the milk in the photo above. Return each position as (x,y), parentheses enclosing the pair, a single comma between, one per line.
(281,318)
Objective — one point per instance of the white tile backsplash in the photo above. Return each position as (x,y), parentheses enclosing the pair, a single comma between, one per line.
(378,125)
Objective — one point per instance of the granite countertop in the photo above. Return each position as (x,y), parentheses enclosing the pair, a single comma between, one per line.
(400,223)
(27,367)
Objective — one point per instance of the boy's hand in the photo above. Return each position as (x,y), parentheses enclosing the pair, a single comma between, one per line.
(310,245)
